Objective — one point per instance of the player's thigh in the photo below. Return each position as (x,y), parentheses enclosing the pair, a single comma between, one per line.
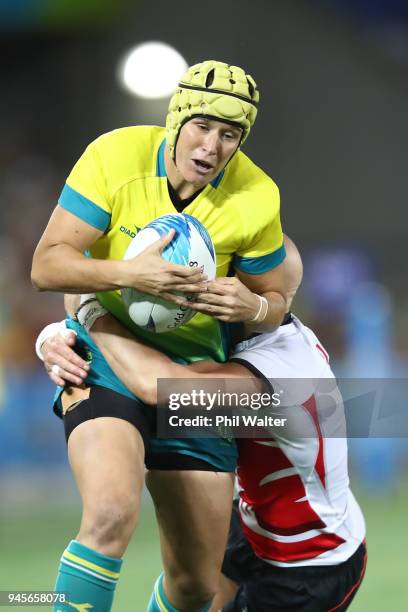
(106,455)
(193,510)
(105,449)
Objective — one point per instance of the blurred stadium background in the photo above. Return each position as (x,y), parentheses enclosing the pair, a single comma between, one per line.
(332,131)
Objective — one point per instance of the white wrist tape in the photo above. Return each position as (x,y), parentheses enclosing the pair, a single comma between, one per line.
(262,311)
(50,330)
(89,311)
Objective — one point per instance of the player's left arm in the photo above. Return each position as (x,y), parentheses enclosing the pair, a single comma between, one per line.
(271,286)
(257,296)
(234,299)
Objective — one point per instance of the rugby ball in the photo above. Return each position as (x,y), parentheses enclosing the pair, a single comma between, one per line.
(191,246)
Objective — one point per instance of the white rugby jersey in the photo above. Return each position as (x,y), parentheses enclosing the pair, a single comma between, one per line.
(296,506)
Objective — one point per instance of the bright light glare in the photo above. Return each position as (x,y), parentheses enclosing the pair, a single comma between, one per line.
(151,70)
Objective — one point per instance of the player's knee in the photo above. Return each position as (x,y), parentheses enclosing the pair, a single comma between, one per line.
(109,523)
(194,591)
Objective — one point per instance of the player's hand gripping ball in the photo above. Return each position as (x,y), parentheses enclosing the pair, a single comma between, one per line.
(191,246)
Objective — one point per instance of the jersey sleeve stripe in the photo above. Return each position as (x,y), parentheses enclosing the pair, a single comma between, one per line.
(160,163)
(259,265)
(215,182)
(85,209)
(225,333)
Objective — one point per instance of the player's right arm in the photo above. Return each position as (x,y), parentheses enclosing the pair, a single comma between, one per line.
(122,351)
(140,366)
(83,215)
(60,265)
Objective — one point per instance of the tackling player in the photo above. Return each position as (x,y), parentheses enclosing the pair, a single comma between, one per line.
(124,180)
(299,542)
(297,534)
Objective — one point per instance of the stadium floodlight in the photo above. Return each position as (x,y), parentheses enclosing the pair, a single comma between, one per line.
(151,70)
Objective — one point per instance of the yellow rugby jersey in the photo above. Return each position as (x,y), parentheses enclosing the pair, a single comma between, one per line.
(119,185)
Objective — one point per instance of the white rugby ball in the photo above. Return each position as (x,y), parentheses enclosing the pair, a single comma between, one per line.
(191,246)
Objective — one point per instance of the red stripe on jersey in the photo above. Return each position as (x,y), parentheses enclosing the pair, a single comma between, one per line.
(275,503)
(287,552)
(256,459)
(323,352)
(311,407)
(280,511)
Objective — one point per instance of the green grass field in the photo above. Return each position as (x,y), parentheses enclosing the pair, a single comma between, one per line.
(33,539)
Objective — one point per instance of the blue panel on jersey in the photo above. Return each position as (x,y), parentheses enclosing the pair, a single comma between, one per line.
(83,208)
(259,265)
(215,182)
(225,329)
(161,166)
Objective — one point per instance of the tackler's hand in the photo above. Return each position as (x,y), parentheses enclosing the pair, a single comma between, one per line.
(61,362)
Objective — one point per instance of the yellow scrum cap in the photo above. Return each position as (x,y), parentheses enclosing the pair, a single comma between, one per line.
(216,90)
